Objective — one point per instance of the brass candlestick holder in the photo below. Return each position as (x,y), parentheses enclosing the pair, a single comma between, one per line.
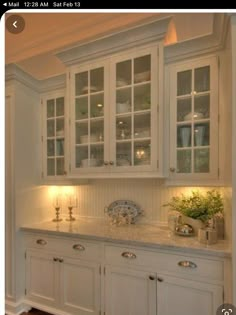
(71,218)
(57,218)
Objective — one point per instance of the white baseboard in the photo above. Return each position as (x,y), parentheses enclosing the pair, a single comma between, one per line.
(16,308)
(45,308)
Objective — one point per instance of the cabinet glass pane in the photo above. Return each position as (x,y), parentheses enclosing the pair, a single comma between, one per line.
(81,108)
(81,133)
(81,156)
(201,107)
(50,128)
(96,155)
(60,106)
(184,158)
(201,160)
(142,97)
(81,83)
(96,80)
(50,147)
(142,152)
(184,109)
(97,105)
(96,131)
(60,127)
(202,79)
(123,127)
(201,134)
(184,82)
(60,166)
(50,108)
(123,154)
(142,69)
(123,73)
(142,125)
(50,167)
(123,100)
(60,147)
(184,136)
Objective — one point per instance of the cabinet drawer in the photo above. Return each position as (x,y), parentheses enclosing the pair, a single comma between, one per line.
(165,262)
(63,246)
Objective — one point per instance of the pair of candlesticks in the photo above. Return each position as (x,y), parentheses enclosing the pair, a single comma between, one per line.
(72,203)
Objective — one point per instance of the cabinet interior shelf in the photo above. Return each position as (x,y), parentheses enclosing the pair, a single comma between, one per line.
(118,88)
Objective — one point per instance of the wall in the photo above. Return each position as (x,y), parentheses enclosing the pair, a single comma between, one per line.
(150,194)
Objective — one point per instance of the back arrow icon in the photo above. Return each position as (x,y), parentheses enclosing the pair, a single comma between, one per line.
(14,24)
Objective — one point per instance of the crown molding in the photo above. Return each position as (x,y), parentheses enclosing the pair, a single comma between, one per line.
(15,73)
(54,83)
(201,45)
(132,37)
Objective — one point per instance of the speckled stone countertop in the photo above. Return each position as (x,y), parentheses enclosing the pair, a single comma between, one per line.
(145,235)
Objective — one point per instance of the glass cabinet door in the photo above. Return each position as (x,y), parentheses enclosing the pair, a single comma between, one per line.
(195,118)
(55,136)
(133,112)
(89,118)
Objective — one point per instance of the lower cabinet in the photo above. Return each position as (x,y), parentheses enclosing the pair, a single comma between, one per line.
(65,277)
(177,296)
(130,292)
(71,285)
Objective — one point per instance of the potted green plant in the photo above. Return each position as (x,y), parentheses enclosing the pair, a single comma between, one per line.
(197,209)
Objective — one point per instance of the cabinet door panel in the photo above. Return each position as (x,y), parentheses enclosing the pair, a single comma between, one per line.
(179,296)
(42,278)
(194,120)
(134,112)
(129,292)
(80,287)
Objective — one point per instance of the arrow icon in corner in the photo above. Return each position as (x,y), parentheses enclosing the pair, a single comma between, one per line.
(14,24)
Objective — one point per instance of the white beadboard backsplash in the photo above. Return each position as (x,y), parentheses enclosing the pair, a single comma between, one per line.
(150,194)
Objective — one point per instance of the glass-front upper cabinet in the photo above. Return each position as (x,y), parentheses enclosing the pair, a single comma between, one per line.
(114,116)
(54,135)
(194,119)
(87,118)
(134,125)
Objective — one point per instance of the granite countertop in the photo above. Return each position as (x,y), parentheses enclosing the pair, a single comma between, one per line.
(148,235)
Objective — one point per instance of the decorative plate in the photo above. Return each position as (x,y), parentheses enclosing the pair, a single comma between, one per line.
(126,209)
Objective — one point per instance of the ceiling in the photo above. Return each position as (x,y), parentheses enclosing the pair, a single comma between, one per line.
(46,33)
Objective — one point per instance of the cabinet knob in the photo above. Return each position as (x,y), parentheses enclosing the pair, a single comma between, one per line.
(78,247)
(111,163)
(41,242)
(152,278)
(105,163)
(60,260)
(160,279)
(172,169)
(55,259)
(187,264)
(128,255)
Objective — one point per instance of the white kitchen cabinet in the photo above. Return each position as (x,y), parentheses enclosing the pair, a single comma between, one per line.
(129,291)
(115,125)
(194,120)
(53,135)
(62,283)
(72,276)
(42,278)
(181,296)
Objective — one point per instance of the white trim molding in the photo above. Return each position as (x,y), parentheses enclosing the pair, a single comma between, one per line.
(16,308)
(201,45)
(141,35)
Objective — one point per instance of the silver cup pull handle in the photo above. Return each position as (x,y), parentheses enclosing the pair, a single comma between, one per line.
(78,247)
(187,264)
(41,242)
(128,255)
